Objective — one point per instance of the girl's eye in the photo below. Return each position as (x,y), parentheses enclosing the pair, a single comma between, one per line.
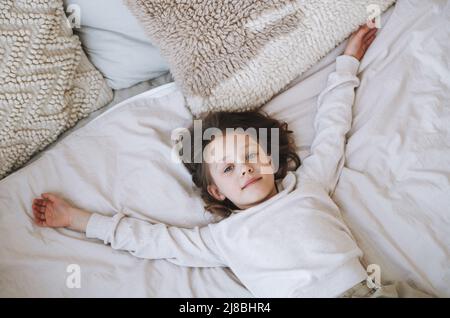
(228,168)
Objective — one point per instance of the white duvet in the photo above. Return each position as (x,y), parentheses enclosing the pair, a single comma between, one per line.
(394,191)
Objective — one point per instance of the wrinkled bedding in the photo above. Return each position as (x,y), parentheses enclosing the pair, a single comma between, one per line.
(394,190)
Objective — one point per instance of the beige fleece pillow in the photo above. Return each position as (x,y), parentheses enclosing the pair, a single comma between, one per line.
(237,54)
(46,82)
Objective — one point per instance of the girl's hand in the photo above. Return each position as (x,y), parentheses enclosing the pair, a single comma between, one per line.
(360,41)
(53,211)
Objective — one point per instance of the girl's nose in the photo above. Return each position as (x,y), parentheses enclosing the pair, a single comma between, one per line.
(246,169)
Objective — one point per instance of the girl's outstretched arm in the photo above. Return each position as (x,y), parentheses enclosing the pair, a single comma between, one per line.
(334,114)
(187,247)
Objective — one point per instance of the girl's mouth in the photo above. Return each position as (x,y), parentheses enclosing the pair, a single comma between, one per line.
(251,181)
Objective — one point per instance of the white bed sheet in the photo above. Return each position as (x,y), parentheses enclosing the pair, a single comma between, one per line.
(395,188)
(119,95)
(394,191)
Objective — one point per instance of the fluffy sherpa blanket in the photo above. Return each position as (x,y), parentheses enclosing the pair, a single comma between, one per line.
(237,54)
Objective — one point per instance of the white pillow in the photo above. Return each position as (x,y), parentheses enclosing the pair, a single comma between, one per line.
(115,43)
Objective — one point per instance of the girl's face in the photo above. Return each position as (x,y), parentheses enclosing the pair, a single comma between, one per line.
(240,169)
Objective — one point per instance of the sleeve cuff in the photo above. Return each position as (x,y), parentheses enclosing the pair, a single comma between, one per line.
(347,63)
(100,226)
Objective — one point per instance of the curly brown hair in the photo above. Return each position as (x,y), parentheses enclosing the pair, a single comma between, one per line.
(248,119)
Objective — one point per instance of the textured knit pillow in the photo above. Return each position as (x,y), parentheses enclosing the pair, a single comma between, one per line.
(237,54)
(46,82)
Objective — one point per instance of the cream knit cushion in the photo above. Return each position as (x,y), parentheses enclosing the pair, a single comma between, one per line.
(237,54)
(46,82)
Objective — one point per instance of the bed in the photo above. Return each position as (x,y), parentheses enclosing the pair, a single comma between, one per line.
(394,191)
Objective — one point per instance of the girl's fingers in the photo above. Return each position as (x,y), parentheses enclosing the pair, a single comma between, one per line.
(370,40)
(361,32)
(364,27)
(49,196)
(370,33)
(38,221)
(40,202)
(39,208)
(39,215)
(372,30)
(36,214)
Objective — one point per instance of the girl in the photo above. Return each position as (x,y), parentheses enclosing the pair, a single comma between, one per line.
(279,230)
